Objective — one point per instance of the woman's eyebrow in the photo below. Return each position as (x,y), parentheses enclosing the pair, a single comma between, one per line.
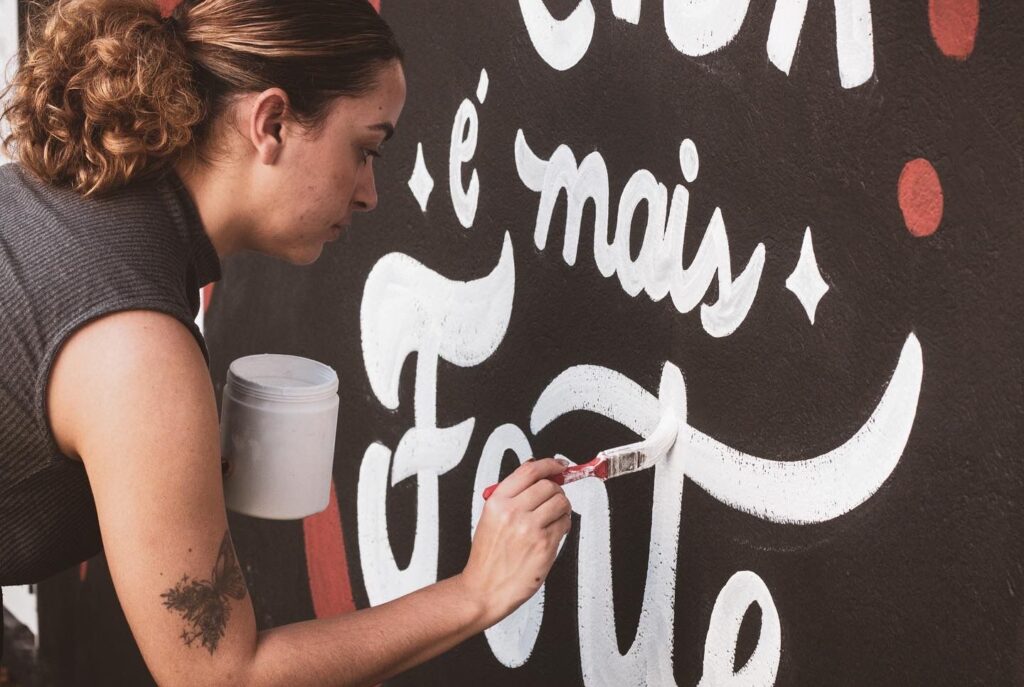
(386,127)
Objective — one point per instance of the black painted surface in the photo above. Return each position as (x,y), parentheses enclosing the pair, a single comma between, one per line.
(920,584)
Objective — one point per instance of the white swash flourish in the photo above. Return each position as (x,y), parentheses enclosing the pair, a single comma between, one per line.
(408,308)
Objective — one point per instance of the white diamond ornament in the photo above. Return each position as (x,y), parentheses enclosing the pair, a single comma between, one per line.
(806,281)
(481,87)
(421,183)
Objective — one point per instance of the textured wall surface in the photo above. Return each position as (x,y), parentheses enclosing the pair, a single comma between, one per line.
(797,225)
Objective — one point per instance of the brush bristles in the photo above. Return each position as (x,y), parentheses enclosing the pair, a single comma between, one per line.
(644,454)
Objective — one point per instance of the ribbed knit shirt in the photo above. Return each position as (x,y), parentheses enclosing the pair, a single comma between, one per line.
(64,261)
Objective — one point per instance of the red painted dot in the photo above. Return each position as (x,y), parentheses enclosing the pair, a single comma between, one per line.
(920,197)
(954,25)
(326,563)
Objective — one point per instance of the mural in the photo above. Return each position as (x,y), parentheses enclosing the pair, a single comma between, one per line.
(836,458)
(795,224)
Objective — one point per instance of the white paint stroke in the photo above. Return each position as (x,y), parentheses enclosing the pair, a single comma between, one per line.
(803,491)
(481,86)
(599,390)
(560,42)
(659,271)
(805,281)
(511,640)
(383,579)
(642,188)
(689,160)
(627,10)
(799,491)
(462,148)
(649,658)
(409,308)
(818,489)
(699,27)
(743,589)
(585,182)
(855,46)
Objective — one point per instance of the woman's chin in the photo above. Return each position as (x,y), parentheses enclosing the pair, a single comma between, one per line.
(303,255)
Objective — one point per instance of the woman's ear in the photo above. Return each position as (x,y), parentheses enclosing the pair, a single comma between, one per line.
(266,124)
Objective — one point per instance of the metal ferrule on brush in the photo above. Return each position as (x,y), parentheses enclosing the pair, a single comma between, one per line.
(624,460)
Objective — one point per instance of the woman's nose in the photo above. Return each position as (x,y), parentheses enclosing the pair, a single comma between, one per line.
(366,191)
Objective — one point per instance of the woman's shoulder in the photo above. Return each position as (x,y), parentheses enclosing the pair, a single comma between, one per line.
(133,229)
(68,259)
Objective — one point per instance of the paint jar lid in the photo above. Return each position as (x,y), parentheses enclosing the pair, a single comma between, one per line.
(279,377)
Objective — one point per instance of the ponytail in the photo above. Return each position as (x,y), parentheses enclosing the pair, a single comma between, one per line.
(104,95)
(111,90)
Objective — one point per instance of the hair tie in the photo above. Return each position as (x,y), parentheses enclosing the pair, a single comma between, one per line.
(167,8)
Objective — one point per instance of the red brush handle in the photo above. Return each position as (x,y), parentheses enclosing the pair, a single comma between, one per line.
(570,474)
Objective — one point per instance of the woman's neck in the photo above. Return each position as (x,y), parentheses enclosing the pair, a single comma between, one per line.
(219,194)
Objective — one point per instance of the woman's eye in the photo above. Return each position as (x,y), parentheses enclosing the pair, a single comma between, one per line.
(368,153)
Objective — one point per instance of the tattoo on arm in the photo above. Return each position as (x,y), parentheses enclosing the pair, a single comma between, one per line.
(204,603)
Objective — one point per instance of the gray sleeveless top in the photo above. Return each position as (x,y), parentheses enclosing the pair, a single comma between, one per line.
(65,260)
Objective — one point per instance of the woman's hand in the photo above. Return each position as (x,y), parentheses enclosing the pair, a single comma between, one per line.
(517,538)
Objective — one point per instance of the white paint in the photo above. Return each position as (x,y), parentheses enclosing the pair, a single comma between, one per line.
(8,53)
(481,87)
(560,42)
(634,276)
(689,160)
(408,308)
(855,46)
(699,27)
(613,395)
(741,591)
(512,639)
(20,601)
(628,10)
(794,490)
(586,182)
(421,183)
(810,490)
(463,146)
(805,280)
(659,270)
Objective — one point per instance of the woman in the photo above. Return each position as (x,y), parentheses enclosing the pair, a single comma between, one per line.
(148,148)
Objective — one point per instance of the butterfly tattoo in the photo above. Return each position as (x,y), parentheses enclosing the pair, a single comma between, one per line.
(204,604)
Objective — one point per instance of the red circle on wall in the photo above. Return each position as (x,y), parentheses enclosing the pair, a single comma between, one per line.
(954,25)
(920,197)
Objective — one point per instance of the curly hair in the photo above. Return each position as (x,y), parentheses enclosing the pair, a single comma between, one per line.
(109,91)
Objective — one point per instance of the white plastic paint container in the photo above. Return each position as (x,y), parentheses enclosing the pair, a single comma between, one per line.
(279,415)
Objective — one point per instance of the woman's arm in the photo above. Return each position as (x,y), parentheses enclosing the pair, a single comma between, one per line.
(131,396)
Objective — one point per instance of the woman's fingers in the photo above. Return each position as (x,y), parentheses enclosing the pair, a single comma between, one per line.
(526,475)
(536,494)
(553,509)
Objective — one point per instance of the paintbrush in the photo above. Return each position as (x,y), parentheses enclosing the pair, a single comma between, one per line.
(621,460)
